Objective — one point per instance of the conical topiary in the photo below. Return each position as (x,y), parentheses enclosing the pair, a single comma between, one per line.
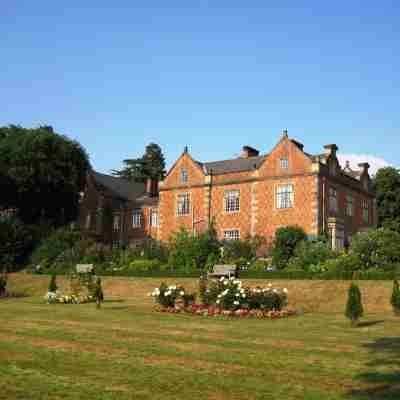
(98,293)
(395,299)
(53,284)
(354,308)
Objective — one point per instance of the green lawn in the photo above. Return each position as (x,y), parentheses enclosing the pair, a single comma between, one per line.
(128,351)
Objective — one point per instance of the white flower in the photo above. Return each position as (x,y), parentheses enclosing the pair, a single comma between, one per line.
(275,291)
(235,303)
(242,291)
(225,282)
(237,294)
(244,296)
(285,290)
(182,293)
(217,301)
(222,278)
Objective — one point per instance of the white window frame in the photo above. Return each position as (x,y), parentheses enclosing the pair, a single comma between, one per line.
(184,176)
(186,208)
(154,220)
(284,196)
(88,221)
(333,199)
(284,163)
(137,218)
(231,234)
(365,211)
(232,201)
(116,222)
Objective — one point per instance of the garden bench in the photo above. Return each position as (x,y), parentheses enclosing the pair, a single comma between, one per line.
(220,270)
(84,268)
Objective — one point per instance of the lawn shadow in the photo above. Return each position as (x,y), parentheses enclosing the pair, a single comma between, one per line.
(114,301)
(365,324)
(382,384)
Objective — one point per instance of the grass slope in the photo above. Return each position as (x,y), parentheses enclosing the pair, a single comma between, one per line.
(127,351)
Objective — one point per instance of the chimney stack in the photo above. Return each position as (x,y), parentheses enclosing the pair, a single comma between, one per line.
(331,149)
(364,168)
(248,151)
(152,187)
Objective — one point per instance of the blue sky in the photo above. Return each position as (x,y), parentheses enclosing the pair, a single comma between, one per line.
(213,75)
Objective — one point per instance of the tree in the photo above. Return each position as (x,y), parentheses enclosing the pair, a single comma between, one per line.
(354,307)
(286,240)
(395,298)
(150,165)
(53,284)
(387,187)
(43,173)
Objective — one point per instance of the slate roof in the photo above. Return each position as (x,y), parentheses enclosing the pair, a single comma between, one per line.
(119,187)
(233,165)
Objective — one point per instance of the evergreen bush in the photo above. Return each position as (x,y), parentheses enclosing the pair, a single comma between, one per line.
(354,307)
(98,294)
(53,284)
(395,299)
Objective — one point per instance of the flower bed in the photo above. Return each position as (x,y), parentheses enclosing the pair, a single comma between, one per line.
(55,297)
(213,311)
(224,297)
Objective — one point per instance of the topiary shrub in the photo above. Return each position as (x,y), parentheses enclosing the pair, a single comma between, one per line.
(98,294)
(354,307)
(285,242)
(53,284)
(395,299)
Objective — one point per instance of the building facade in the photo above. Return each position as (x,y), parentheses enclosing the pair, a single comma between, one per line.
(252,195)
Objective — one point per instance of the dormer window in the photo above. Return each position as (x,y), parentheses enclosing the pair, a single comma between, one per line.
(284,163)
(184,176)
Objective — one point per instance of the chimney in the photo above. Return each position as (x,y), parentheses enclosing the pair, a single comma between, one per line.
(364,168)
(248,151)
(152,187)
(331,149)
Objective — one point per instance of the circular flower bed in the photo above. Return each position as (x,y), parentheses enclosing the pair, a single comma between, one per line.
(224,297)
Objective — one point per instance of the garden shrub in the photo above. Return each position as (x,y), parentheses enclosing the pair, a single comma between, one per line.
(53,284)
(3,283)
(310,253)
(395,298)
(144,265)
(354,307)
(166,296)
(345,262)
(258,266)
(285,242)
(98,294)
(377,248)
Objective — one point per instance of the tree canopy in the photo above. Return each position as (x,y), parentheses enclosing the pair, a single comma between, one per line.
(387,187)
(41,174)
(150,165)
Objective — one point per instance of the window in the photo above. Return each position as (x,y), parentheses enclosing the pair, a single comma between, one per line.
(154,217)
(184,176)
(232,234)
(349,205)
(284,163)
(284,196)
(365,210)
(137,218)
(183,204)
(232,201)
(88,221)
(116,222)
(333,200)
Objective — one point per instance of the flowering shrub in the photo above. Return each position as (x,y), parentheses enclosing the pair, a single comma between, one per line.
(233,296)
(55,297)
(166,296)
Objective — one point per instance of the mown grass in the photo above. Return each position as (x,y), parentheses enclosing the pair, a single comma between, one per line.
(128,351)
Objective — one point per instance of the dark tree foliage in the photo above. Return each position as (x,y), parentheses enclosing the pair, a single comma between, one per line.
(42,174)
(387,187)
(150,165)
(285,242)
(354,307)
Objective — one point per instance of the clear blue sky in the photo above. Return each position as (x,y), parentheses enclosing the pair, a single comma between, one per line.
(213,75)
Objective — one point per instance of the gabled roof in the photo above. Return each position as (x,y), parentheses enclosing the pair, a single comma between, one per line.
(119,187)
(233,165)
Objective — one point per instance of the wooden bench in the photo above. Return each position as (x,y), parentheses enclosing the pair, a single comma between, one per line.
(220,270)
(84,268)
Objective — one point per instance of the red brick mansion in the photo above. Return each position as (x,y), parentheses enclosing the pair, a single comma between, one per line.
(250,195)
